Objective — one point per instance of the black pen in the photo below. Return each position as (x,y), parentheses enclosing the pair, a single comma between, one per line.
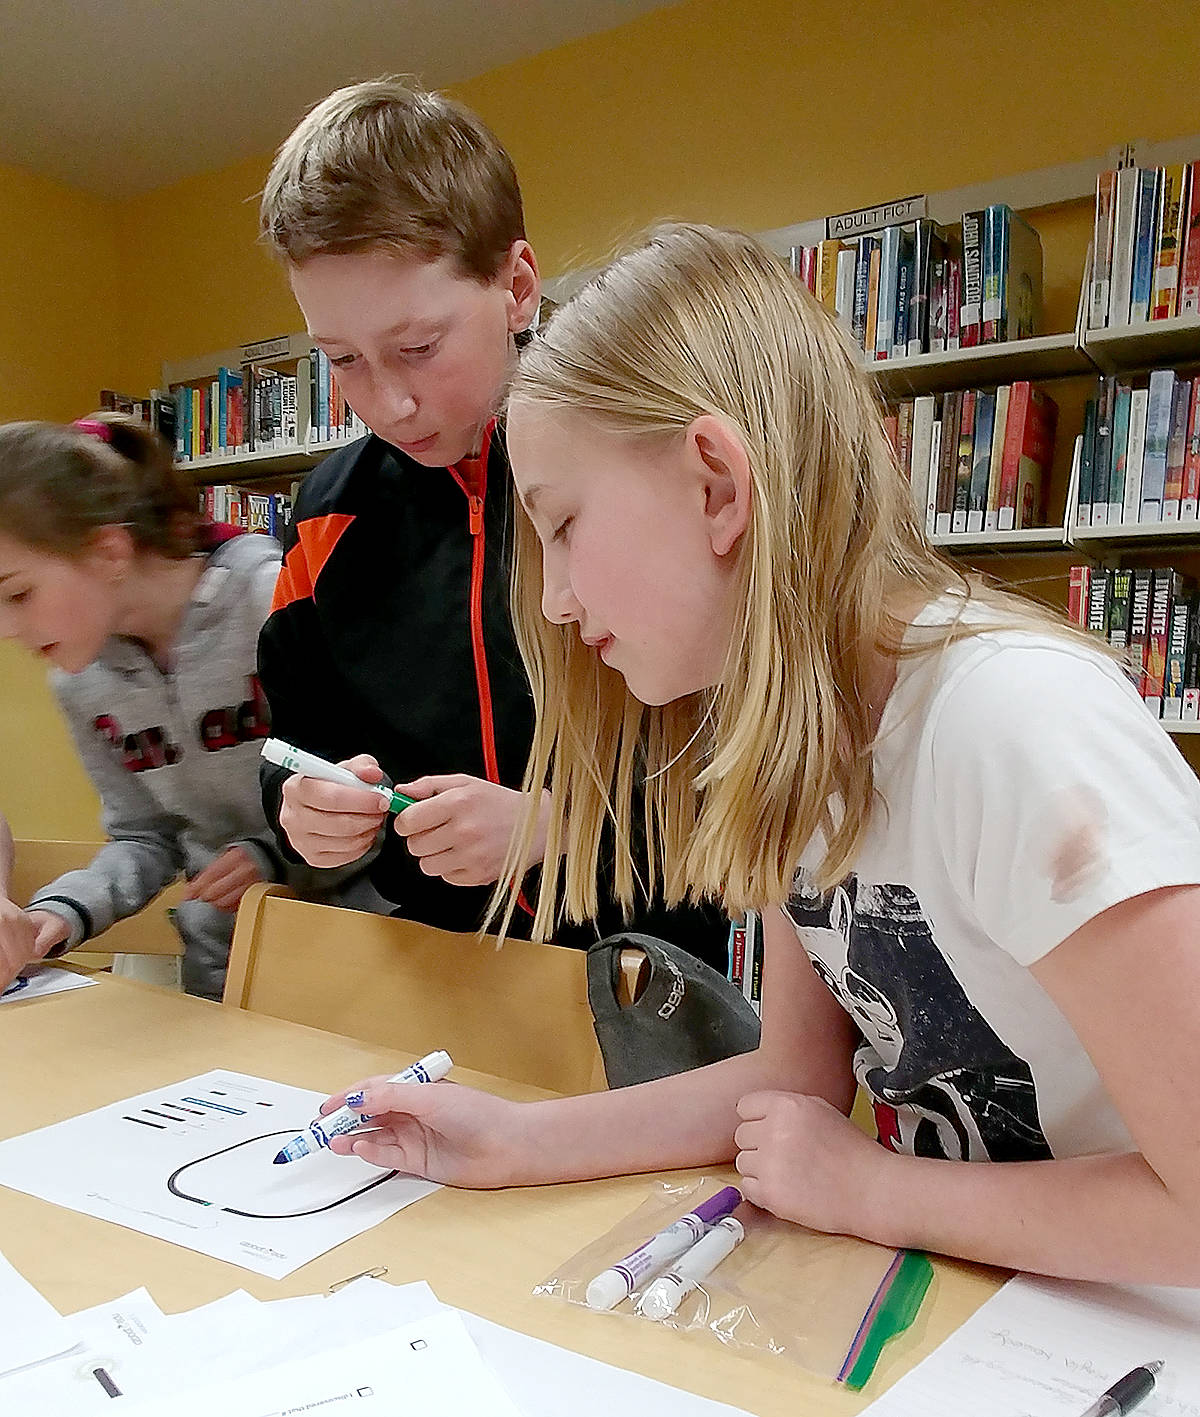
(1126,1392)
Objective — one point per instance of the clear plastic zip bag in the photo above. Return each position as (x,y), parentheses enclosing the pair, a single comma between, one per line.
(827,1302)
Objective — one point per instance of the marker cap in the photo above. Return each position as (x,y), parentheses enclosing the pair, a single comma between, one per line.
(607,1290)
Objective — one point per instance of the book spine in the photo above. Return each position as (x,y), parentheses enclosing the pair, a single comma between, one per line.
(827,259)
(935,462)
(1163,587)
(1139,625)
(1144,240)
(1158,429)
(844,301)
(985,414)
(1190,495)
(1019,398)
(920,300)
(889,276)
(1077,593)
(951,422)
(1191,669)
(873,301)
(904,281)
(1124,218)
(862,286)
(991,520)
(971,310)
(995,263)
(1181,398)
(1037,454)
(965,461)
(1102,240)
(1120,449)
(1102,462)
(1189,269)
(1177,646)
(1135,456)
(938,311)
(1087,462)
(1165,295)
(1119,603)
(1097,604)
(953,303)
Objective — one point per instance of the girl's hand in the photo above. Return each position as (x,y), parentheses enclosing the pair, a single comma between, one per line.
(331,825)
(803,1160)
(19,938)
(441,1131)
(460,827)
(224,881)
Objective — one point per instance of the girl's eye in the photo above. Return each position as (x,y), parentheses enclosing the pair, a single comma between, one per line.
(18,597)
(560,531)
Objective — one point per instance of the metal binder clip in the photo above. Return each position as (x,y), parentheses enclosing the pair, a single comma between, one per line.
(377,1273)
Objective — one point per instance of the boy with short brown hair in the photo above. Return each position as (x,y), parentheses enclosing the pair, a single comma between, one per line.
(399,218)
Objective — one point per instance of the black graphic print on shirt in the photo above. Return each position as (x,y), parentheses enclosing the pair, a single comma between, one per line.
(942,1083)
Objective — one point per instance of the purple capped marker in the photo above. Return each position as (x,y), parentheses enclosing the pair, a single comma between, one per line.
(608,1289)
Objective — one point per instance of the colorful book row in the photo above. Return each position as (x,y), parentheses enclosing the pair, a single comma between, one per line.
(1145,245)
(978,459)
(266,512)
(920,288)
(1153,614)
(1140,456)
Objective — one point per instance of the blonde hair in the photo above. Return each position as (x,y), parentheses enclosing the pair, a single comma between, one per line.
(737,780)
(59,483)
(384,165)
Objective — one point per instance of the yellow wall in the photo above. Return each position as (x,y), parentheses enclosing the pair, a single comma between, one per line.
(62,300)
(754,113)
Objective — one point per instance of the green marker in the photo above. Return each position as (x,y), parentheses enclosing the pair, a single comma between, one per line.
(296,760)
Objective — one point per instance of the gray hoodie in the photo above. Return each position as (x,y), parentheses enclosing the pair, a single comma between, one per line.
(174,758)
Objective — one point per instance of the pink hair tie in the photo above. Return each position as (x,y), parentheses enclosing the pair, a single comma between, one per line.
(95,428)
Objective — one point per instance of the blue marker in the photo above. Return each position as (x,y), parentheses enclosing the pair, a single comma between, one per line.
(318,1134)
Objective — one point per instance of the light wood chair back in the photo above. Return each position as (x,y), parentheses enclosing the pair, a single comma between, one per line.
(520,1012)
(149,932)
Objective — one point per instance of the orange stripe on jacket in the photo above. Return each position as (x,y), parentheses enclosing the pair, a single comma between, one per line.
(315,539)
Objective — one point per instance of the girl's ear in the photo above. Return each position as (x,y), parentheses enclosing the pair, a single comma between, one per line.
(724,469)
(111,551)
(524,286)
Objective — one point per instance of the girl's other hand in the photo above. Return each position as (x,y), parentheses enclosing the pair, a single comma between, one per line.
(460,827)
(225,880)
(803,1160)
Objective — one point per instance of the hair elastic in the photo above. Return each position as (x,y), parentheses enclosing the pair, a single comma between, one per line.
(94,427)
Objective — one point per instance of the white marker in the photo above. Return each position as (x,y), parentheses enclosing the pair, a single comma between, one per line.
(608,1288)
(316,1136)
(296,760)
(669,1290)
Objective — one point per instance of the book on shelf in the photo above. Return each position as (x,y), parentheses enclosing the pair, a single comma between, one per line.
(919,288)
(156,409)
(746,958)
(1140,455)
(267,512)
(978,460)
(1153,616)
(1145,246)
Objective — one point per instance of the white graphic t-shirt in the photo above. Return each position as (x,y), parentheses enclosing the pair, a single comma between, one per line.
(1024,788)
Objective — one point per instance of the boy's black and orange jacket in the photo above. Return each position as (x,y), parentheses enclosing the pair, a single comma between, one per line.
(390,635)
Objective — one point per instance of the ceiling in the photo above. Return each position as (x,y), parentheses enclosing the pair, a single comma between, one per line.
(122,96)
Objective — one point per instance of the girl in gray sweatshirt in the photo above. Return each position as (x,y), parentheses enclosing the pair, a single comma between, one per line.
(150,619)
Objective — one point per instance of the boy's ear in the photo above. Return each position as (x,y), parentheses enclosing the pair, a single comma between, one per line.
(524,282)
(719,455)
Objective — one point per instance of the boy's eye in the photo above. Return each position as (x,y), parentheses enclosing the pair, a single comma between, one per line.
(343,360)
(418,351)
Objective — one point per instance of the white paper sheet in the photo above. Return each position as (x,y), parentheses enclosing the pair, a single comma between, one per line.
(192,1163)
(31,1328)
(429,1368)
(83,1380)
(41,980)
(1046,1348)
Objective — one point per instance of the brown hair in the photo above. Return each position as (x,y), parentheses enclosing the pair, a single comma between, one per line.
(388,166)
(59,484)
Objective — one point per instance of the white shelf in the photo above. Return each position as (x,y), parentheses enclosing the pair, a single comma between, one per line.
(1034,538)
(1041,357)
(1175,727)
(1145,345)
(1151,532)
(262,462)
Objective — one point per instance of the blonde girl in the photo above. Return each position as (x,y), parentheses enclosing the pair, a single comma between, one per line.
(977,856)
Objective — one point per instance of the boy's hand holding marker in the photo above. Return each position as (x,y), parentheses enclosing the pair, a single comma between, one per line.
(457,826)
